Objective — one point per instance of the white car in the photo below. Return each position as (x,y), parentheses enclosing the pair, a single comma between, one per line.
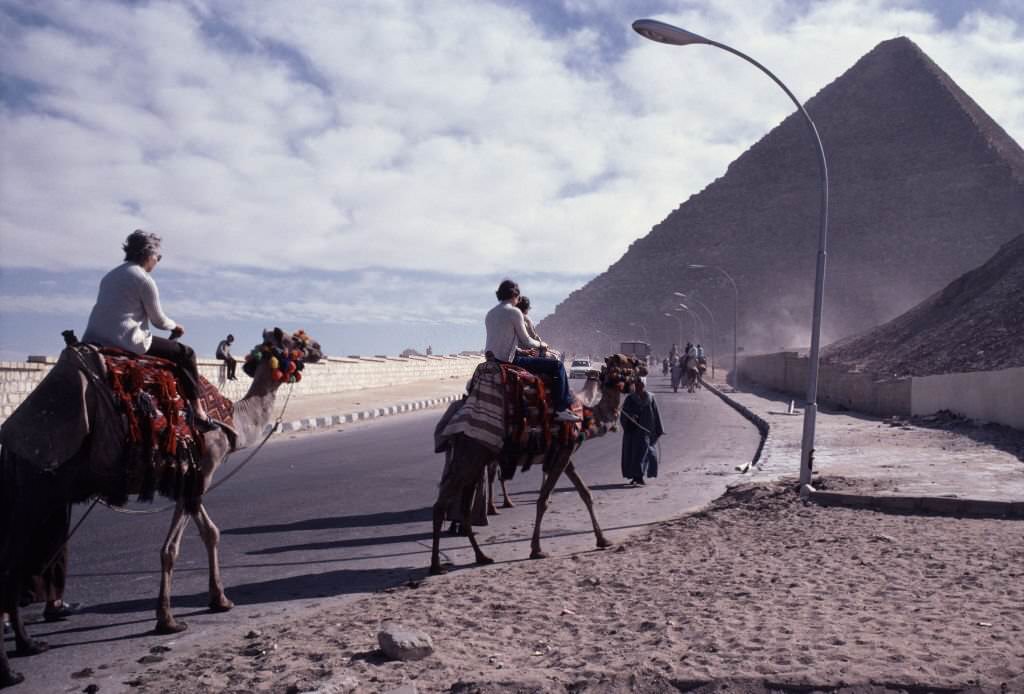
(579,368)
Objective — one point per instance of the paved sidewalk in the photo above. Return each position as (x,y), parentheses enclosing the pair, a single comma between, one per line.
(931,464)
(331,409)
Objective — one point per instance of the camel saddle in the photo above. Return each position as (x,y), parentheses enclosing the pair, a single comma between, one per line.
(128,408)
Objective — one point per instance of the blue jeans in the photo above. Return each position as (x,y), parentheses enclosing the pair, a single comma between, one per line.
(553,368)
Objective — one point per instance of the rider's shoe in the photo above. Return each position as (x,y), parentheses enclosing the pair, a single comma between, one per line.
(567,416)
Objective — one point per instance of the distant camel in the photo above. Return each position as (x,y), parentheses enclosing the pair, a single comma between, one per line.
(470,459)
(31,490)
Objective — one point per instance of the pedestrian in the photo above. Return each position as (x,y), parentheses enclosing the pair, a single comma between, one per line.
(641,429)
(224,354)
(48,586)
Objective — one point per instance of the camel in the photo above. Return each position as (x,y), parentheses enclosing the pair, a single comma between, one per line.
(471,458)
(78,467)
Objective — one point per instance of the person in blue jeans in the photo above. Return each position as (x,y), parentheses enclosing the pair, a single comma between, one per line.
(506,334)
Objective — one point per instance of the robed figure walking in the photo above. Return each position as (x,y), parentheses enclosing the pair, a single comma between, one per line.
(641,429)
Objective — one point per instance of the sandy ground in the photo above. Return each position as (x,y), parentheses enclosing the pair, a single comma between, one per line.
(759,593)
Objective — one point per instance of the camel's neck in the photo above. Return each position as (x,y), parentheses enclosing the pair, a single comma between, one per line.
(606,410)
(252,413)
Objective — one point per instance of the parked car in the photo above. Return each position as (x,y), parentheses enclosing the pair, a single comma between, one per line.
(579,368)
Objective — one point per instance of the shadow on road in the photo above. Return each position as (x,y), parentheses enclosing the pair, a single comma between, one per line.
(419,515)
(304,586)
(352,542)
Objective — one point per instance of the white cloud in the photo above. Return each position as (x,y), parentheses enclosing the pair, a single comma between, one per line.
(448,137)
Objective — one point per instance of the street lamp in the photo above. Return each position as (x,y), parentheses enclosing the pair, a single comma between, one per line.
(666,33)
(698,324)
(714,330)
(680,321)
(611,343)
(735,318)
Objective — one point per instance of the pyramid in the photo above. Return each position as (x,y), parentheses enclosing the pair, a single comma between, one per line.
(976,323)
(924,187)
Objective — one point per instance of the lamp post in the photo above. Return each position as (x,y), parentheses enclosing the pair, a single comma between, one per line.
(714,330)
(698,324)
(735,319)
(611,343)
(666,33)
(680,322)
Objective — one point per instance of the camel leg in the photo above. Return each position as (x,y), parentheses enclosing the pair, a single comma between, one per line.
(449,487)
(211,538)
(504,492)
(165,623)
(588,499)
(467,525)
(492,472)
(542,505)
(8,677)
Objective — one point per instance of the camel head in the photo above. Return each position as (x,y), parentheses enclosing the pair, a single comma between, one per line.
(621,373)
(284,355)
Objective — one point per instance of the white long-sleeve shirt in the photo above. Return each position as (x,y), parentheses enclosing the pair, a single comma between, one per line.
(127,303)
(506,330)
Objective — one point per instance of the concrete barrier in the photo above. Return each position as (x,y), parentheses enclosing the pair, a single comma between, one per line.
(334,375)
(994,396)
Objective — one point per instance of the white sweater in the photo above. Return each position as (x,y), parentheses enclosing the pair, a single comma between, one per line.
(506,330)
(128,302)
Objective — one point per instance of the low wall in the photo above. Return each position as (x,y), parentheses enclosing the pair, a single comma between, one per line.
(787,372)
(995,396)
(18,379)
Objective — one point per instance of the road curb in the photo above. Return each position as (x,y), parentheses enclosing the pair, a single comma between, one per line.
(936,505)
(325,421)
(762,425)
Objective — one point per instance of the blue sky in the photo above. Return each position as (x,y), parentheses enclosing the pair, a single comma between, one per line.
(370,170)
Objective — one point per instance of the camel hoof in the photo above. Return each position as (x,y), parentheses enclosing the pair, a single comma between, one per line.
(31,647)
(508,504)
(437,570)
(170,627)
(484,560)
(492,511)
(537,554)
(604,544)
(11,678)
(221,605)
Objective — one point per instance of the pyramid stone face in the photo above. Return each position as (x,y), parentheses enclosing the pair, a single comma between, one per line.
(975,323)
(924,187)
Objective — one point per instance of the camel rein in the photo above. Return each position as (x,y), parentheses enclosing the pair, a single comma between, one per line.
(149,512)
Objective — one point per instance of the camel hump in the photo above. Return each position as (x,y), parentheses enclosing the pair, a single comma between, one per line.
(51,423)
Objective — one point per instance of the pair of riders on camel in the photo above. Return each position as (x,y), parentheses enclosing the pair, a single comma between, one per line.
(508,338)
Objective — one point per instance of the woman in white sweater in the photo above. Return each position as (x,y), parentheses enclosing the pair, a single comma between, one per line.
(128,302)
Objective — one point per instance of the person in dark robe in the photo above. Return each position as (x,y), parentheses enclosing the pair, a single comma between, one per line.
(48,586)
(641,429)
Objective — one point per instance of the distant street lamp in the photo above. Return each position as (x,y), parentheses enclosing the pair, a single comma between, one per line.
(735,319)
(642,327)
(666,33)
(611,342)
(698,324)
(714,330)
(680,321)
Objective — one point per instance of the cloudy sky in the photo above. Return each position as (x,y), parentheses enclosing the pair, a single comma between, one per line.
(370,169)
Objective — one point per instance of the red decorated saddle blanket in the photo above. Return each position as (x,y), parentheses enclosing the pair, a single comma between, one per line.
(510,409)
(163,447)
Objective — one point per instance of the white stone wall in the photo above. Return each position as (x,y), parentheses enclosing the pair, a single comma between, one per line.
(994,396)
(17,379)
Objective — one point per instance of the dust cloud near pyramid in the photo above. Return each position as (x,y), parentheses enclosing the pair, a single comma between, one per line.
(924,187)
(976,323)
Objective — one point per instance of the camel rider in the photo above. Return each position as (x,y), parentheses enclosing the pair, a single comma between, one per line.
(524,307)
(700,353)
(128,302)
(506,331)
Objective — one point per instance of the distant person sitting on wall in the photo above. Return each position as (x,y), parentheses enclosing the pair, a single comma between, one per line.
(506,331)
(224,354)
(430,350)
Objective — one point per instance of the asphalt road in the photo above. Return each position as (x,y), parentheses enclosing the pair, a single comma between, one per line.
(318,517)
